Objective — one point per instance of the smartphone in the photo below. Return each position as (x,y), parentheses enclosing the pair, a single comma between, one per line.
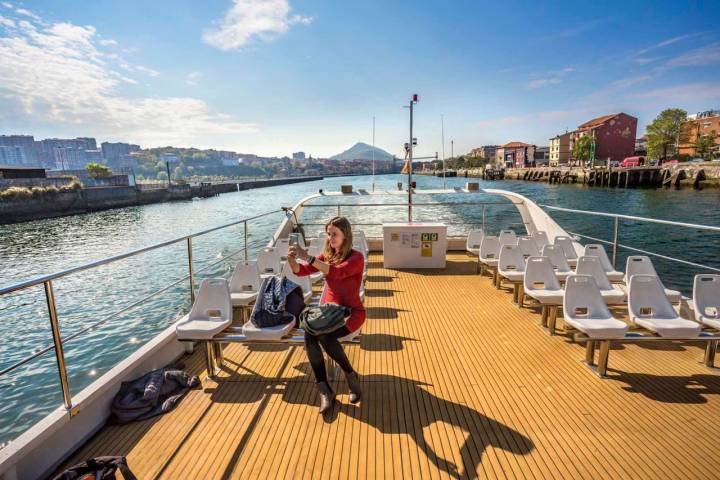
(293,239)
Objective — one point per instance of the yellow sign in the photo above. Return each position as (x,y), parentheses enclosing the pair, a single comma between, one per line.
(426,249)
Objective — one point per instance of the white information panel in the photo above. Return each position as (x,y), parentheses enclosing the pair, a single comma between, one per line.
(414,245)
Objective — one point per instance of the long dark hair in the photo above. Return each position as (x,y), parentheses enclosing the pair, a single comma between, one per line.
(342,224)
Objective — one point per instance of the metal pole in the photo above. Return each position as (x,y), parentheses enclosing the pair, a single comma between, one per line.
(483,223)
(190,268)
(615,239)
(442,130)
(57,341)
(373,157)
(410,165)
(245,234)
(338,214)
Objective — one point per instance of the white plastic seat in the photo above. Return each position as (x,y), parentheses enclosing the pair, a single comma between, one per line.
(597,250)
(528,247)
(592,266)
(474,239)
(244,283)
(360,241)
(541,239)
(277,332)
(541,283)
(649,307)
(642,265)
(585,309)
(489,250)
(210,314)
(706,299)
(558,260)
(507,237)
(568,246)
(511,264)
(268,262)
(303,282)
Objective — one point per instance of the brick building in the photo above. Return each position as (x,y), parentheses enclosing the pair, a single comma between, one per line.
(703,123)
(561,149)
(516,155)
(614,135)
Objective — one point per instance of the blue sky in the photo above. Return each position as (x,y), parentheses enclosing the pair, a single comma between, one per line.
(276,76)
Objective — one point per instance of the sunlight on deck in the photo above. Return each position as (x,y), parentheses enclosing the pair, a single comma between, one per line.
(458,383)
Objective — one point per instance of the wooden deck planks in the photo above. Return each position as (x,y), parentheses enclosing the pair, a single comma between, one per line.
(458,382)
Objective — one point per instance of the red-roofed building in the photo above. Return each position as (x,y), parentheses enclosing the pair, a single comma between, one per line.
(516,155)
(614,135)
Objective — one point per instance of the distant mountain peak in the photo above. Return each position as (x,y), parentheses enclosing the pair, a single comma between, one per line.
(363,151)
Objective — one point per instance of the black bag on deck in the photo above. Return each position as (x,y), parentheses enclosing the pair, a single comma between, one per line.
(99,468)
(279,302)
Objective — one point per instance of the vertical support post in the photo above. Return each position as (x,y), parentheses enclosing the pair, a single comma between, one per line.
(483,218)
(57,341)
(245,235)
(190,268)
(553,318)
(590,352)
(710,350)
(615,240)
(603,357)
(410,159)
(338,212)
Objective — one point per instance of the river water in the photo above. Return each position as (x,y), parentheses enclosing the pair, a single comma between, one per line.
(35,248)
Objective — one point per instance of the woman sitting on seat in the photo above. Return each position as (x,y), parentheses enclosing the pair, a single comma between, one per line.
(343,269)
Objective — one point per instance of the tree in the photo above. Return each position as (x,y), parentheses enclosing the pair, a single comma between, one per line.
(584,149)
(704,145)
(666,133)
(96,170)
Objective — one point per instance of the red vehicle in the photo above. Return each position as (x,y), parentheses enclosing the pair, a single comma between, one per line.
(633,162)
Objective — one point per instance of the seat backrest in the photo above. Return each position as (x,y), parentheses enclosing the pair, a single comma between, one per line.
(583,299)
(539,275)
(489,247)
(304,282)
(597,250)
(541,239)
(282,247)
(245,277)
(507,237)
(269,260)
(474,239)
(213,300)
(647,299)
(638,265)
(360,241)
(528,247)
(556,255)
(511,258)
(706,296)
(592,266)
(568,246)
(316,248)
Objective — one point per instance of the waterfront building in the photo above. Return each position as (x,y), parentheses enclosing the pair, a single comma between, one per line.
(516,155)
(169,157)
(112,150)
(614,136)
(67,158)
(541,156)
(26,142)
(561,149)
(641,146)
(486,152)
(129,160)
(14,156)
(703,123)
(93,156)
(298,156)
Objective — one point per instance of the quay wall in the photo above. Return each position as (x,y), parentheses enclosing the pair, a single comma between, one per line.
(85,200)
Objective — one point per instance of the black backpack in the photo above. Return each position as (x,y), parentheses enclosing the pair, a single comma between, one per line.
(98,468)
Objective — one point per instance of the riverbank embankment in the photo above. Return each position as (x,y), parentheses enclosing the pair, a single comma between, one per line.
(683,175)
(58,203)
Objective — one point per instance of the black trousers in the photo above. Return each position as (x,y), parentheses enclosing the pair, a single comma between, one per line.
(329,342)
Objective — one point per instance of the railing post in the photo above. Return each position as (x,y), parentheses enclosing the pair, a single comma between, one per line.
(245,233)
(338,210)
(615,240)
(483,220)
(190,268)
(57,340)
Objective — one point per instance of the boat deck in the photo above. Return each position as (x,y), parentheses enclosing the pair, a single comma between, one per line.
(458,383)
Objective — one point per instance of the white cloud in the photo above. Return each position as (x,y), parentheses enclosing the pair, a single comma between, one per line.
(56,75)
(7,4)
(27,13)
(703,56)
(107,42)
(689,92)
(6,22)
(552,78)
(264,19)
(193,78)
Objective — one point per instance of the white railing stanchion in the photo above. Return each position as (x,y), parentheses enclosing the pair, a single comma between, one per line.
(615,240)
(190,269)
(57,341)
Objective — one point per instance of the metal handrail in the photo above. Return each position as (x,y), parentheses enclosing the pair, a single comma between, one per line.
(39,280)
(415,204)
(47,281)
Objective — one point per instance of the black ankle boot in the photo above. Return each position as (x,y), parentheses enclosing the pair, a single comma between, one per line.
(353,381)
(327,396)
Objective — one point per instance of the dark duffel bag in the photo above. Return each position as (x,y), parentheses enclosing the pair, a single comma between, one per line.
(323,319)
(98,468)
